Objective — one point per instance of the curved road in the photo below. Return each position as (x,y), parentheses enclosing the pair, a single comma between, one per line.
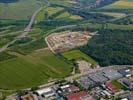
(25,32)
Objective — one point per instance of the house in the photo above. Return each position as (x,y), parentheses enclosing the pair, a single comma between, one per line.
(45,92)
(82,95)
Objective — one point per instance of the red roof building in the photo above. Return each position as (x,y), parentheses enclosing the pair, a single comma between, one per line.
(73,88)
(27,97)
(111,87)
(77,96)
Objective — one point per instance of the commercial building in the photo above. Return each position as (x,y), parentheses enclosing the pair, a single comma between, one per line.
(67,89)
(130,97)
(29,97)
(86,82)
(125,72)
(111,74)
(46,92)
(111,87)
(82,95)
(98,78)
(128,83)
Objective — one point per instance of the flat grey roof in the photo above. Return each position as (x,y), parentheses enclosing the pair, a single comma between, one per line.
(98,78)
(111,74)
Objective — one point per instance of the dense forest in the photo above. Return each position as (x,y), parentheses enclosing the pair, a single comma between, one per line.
(93,3)
(111,47)
(8,1)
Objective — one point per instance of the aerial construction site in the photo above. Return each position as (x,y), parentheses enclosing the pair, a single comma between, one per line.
(63,41)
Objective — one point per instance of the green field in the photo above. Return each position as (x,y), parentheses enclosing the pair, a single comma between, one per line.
(120,4)
(32,70)
(113,14)
(77,54)
(50,10)
(23,65)
(56,13)
(22,9)
(66,15)
(117,84)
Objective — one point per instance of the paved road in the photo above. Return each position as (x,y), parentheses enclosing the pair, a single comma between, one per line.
(79,75)
(25,32)
(27,29)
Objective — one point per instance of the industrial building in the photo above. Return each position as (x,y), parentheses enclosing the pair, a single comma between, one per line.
(98,78)
(67,89)
(111,87)
(125,72)
(111,74)
(86,82)
(128,83)
(82,95)
(46,92)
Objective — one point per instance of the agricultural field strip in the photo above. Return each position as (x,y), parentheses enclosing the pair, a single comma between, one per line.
(119,18)
(11,33)
(113,14)
(26,30)
(120,4)
(44,63)
(7,27)
(21,10)
(49,10)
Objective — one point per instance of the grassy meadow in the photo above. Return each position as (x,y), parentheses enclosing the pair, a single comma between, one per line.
(23,9)
(77,54)
(120,4)
(32,70)
(23,65)
(56,13)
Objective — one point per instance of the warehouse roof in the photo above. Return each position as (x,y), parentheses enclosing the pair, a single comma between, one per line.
(125,72)
(111,74)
